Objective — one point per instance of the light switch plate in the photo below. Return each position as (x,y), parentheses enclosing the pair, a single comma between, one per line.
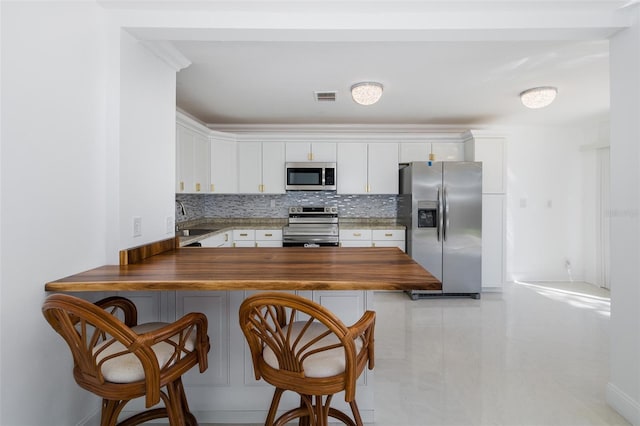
(137,226)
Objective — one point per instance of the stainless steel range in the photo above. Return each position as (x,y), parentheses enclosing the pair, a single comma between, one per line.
(311,227)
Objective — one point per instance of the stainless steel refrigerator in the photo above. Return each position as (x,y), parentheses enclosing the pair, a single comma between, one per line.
(441,206)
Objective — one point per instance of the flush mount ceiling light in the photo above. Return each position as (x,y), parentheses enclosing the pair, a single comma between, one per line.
(538,97)
(366,93)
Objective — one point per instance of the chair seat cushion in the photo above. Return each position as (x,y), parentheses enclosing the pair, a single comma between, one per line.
(322,364)
(127,368)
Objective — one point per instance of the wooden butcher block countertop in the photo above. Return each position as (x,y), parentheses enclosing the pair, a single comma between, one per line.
(288,268)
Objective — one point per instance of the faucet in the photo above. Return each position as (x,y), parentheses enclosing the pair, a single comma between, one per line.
(182,209)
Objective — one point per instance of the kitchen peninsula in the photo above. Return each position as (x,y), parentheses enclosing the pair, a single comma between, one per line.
(216,280)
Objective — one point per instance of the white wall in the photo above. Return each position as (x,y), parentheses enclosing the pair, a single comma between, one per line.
(544,207)
(147,144)
(53,185)
(623,391)
(88,135)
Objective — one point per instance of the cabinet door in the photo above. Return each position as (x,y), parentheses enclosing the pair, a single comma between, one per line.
(323,152)
(219,240)
(249,167)
(493,238)
(184,158)
(224,175)
(273,168)
(383,168)
(201,158)
(414,151)
(298,151)
(448,151)
(352,168)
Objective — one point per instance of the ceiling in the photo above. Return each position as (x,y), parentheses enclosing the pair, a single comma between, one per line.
(449,63)
(436,83)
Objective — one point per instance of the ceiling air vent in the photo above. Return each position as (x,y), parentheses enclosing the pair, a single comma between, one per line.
(325,96)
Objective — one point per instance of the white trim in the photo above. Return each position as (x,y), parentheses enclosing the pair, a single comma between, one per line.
(623,404)
(166,51)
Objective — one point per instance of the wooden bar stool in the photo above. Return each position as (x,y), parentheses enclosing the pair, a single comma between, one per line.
(300,346)
(119,360)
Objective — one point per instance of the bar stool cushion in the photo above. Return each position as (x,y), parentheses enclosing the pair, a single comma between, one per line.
(322,364)
(126,368)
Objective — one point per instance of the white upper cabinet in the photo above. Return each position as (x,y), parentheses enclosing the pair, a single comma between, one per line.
(261,167)
(192,165)
(383,168)
(367,168)
(309,151)
(351,175)
(442,151)
(224,174)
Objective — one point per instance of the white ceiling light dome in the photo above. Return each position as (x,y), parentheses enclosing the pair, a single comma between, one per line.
(366,93)
(538,97)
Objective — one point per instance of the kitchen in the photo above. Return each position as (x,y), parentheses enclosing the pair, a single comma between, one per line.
(107,174)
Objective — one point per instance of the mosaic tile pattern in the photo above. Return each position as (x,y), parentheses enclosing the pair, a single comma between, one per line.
(260,206)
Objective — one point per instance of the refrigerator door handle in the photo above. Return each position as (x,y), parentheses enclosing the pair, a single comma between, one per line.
(439,222)
(445,200)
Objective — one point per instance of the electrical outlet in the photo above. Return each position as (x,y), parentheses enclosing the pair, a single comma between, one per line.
(169,225)
(137,226)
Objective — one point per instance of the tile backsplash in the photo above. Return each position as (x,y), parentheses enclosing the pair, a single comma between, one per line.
(277,205)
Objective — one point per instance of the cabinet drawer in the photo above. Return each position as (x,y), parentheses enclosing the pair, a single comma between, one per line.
(244,234)
(218,240)
(355,234)
(388,234)
(268,234)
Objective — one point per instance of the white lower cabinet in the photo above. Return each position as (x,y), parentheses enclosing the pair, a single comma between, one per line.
(372,238)
(388,238)
(268,237)
(224,239)
(244,238)
(355,237)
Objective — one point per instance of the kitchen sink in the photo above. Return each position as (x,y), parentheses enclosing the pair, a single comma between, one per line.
(195,231)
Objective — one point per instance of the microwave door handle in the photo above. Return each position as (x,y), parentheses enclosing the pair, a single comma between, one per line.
(323,177)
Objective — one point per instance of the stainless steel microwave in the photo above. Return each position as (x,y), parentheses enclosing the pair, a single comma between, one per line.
(311,176)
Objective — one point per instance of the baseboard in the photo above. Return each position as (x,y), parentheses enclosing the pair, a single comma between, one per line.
(492,289)
(92,419)
(626,406)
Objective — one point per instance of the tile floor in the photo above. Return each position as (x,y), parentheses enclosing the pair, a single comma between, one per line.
(535,354)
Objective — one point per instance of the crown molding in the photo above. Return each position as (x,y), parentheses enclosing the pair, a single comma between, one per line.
(166,51)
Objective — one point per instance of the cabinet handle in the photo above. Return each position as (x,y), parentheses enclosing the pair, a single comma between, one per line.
(268,235)
(197,187)
(255,244)
(243,235)
(261,188)
(234,243)
(310,156)
(226,237)
(181,186)
(213,188)
(357,234)
(388,235)
(373,244)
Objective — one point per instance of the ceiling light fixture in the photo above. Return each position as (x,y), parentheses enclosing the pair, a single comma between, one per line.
(538,97)
(366,93)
